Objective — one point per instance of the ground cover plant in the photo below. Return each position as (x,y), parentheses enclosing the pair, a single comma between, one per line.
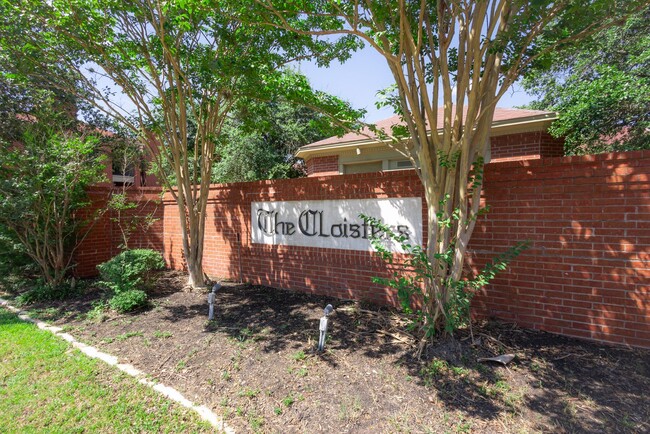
(256,364)
(46,386)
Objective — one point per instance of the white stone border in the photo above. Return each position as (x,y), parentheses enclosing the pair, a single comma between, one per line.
(169,392)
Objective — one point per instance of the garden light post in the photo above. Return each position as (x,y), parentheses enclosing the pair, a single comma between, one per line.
(211,299)
(323,327)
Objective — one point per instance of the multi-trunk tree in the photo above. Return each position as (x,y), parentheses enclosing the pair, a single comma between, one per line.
(48,159)
(158,68)
(44,172)
(455,58)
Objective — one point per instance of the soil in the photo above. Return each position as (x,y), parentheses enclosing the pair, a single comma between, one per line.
(258,366)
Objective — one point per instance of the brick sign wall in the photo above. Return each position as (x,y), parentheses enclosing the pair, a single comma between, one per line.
(587,273)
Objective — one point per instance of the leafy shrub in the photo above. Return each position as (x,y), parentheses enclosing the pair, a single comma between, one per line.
(42,291)
(130,270)
(15,264)
(128,301)
(413,284)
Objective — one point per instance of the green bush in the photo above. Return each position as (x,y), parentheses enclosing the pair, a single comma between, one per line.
(128,301)
(41,291)
(15,264)
(131,269)
(414,285)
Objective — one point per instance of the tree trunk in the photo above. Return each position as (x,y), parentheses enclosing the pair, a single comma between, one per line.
(192,227)
(196,278)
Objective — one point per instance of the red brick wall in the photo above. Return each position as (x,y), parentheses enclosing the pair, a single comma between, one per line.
(96,245)
(550,146)
(230,253)
(587,273)
(105,240)
(322,166)
(525,146)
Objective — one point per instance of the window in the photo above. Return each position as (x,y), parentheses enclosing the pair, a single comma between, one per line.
(373,166)
(123,175)
(399,164)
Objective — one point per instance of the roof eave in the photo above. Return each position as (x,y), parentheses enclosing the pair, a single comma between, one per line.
(531,123)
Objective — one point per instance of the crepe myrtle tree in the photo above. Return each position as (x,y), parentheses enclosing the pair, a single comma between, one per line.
(460,56)
(155,65)
(43,180)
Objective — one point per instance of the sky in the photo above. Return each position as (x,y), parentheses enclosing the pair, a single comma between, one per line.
(366,72)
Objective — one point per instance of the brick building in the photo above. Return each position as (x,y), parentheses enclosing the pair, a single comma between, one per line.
(516,135)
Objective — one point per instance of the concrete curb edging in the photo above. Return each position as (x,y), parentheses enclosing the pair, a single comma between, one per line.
(169,392)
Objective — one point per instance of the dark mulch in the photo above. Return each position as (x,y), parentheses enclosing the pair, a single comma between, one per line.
(257,365)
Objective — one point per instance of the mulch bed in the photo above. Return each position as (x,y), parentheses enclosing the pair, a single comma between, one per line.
(257,365)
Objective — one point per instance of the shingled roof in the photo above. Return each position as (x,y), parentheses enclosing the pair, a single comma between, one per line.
(501,116)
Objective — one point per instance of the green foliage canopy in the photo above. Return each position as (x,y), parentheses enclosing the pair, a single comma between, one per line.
(261,139)
(600,88)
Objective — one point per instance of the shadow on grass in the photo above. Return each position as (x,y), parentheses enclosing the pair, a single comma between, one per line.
(8,318)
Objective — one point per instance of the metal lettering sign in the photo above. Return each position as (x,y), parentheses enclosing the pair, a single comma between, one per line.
(335,224)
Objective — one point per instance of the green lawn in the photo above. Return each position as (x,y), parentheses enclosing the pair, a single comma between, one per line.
(48,386)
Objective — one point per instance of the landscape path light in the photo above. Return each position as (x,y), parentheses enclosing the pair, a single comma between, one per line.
(323,327)
(211,299)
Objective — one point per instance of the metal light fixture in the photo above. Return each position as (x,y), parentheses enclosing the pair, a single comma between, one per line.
(211,299)
(323,327)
